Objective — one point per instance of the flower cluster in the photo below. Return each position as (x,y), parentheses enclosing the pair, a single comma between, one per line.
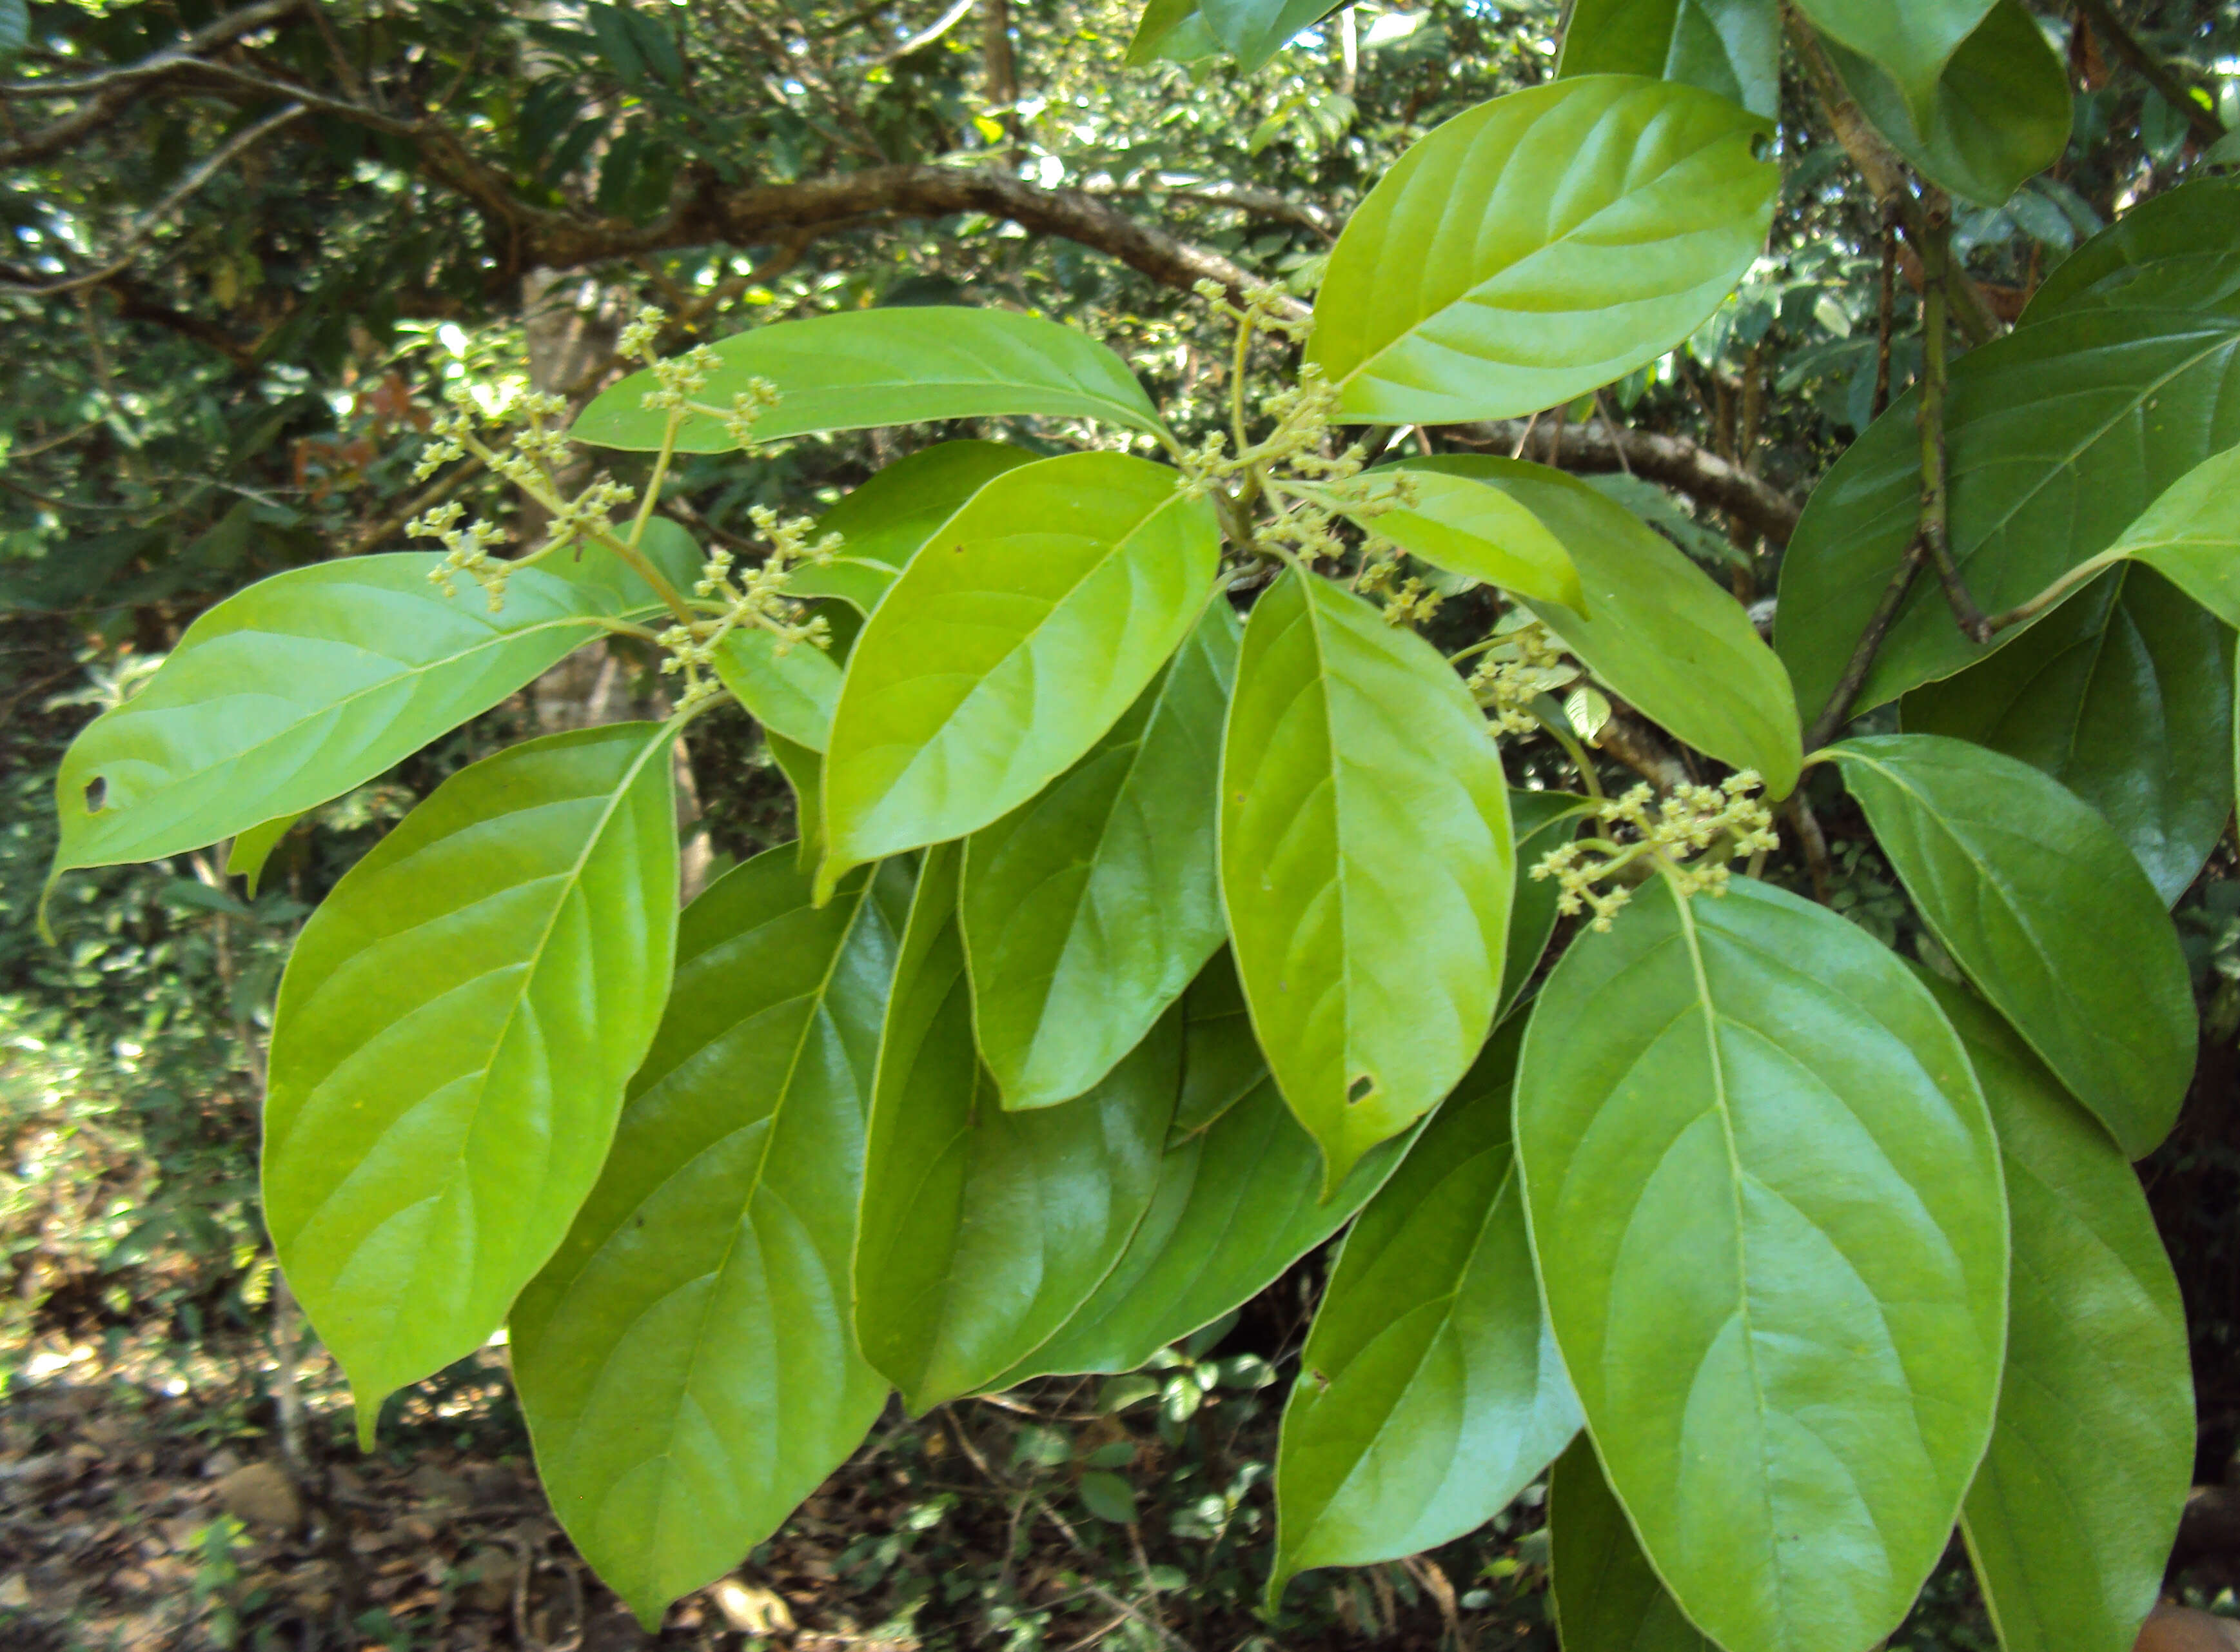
(756,599)
(1690,834)
(467,548)
(1523,662)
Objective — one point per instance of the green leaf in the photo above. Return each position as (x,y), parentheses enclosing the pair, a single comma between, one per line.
(685,1359)
(1911,43)
(673,552)
(1764,1199)
(15,27)
(251,848)
(2191,536)
(789,687)
(2071,1517)
(1459,523)
(805,772)
(1366,863)
(1606,1598)
(902,365)
(2033,894)
(2176,250)
(882,523)
(984,1230)
(294,691)
(1539,245)
(1255,31)
(2116,696)
(2059,436)
(454,1033)
(1108,1497)
(1542,821)
(1172,29)
(1656,629)
(1005,652)
(1221,1063)
(1087,910)
(1730,47)
(1998,114)
(1430,1392)
(1237,1203)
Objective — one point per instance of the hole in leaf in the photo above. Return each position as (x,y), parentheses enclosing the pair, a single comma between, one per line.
(96,793)
(1361,1089)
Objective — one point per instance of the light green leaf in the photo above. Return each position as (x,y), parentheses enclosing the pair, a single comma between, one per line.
(1087,910)
(673,552)
(2059,437)
(296,689)
(454,1033)
(1255,31)
(685,1359)
(1998,114)
(1656,629)
(1173,29)
(863,368)
(1005,652)
(1911,41)
(882,523)
(2176,250)
(1606,1598)
(1730,47)
(2191,536)
(1766,1203)
(984,1230)
(2116,696)
(1237,1203)
(805,772)
(1466,527)
(2033,895)
(2071,1517)
(1221,1061)
(1539,245)
(790,688)
(1366,863)
(251,848)
(1543,820)
(1430,1392)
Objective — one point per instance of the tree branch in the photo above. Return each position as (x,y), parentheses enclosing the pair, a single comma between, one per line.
(1598,447)
(2206,127)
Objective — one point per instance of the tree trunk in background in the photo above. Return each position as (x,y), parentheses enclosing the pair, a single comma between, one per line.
(1002,69)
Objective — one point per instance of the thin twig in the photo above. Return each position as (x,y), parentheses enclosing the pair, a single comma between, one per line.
(1885,315)
(1814,844)
(2206,127)
(1837,712)
(1936,257)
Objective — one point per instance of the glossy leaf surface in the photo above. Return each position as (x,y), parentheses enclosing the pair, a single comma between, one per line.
(2059,435)
(1088,910)
(1221,1061)
(1430,1391)
(1910,41)
(804,772)
(296,689)
(685,1359)
(2116,696)
(882,523)
(2071,1517)
(904,365)
(1999,113)
(2033,895)
(454,1033)
(1539,245)
(2176,250)
(1366,863)
(789,689)
(1730,47)
(1459,523)
(1766,1203)
(983,1231)
(1655,627)
(1255,30)
(1005,652)
(1608,1599)
(1237,1203)
(2190,535)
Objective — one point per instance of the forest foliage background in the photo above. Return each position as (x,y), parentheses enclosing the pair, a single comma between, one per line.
(242,257)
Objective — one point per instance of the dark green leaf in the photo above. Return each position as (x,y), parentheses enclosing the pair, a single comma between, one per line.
(1764,1198)
(1174,30)
(2033,895)
(1606,1598)
(1543,820)
(1430,1391)
(900,365)
(1911,41)
(1087,910)
(2071,1517)
(1108,1497)
(805,772)
(1628,209)
(685,1359)
(1255,31)
(984,1230)
(1730,47)
(1221,1059)
(2116,696)
(453,1036)
(296,689)
(1005,652)
(251,848)
(2177,250)
(882,523)
(1366,863)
